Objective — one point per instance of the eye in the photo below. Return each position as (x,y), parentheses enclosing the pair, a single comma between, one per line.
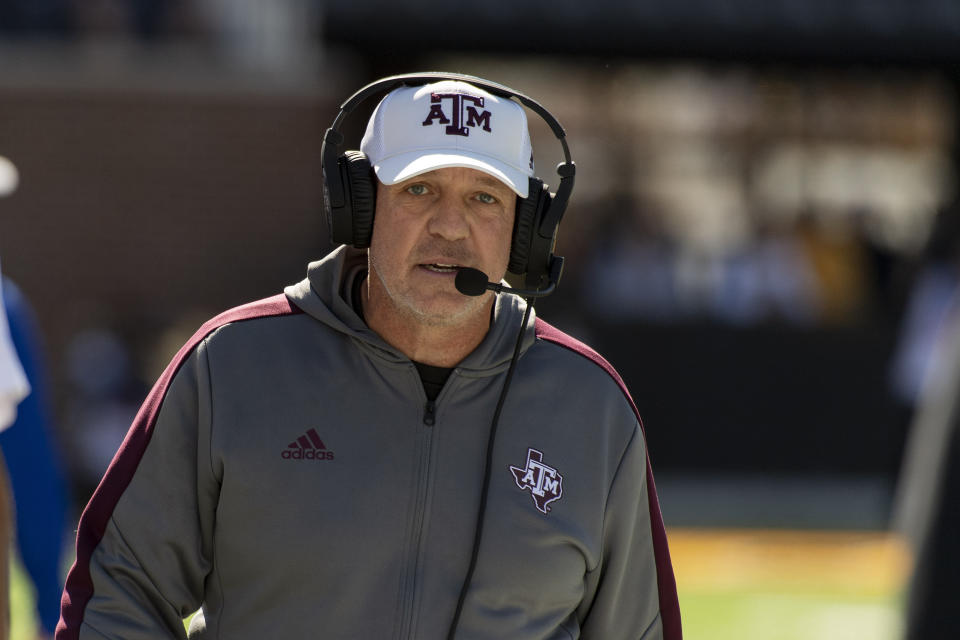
(486,198)
(417,189)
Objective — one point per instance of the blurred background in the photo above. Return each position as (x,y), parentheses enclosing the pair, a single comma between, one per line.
(763,238)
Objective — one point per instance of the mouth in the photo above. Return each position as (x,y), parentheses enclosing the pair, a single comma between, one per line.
(440,267)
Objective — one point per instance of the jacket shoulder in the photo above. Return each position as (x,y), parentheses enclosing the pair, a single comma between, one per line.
(278,305)
(548,333)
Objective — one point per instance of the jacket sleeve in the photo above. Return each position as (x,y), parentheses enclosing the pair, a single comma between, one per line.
(627,600)
(144,543)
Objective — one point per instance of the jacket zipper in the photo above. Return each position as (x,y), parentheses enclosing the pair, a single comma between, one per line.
(423,489)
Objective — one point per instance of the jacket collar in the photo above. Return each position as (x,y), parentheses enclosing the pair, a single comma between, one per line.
(325,295)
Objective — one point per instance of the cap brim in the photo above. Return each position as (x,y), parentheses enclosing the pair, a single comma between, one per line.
(409,165)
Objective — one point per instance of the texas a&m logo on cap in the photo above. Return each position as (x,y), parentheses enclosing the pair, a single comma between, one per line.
(462,106)
(544,482)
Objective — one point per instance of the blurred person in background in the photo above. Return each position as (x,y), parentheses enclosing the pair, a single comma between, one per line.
(105,394)
(13,388)
(320,463)
(927,375)
(37,479)
(933,300)
(935,585)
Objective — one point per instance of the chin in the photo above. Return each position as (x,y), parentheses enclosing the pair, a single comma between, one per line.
(447,313)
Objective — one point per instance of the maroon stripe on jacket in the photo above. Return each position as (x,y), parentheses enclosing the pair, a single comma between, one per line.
(96,515)
(666,583)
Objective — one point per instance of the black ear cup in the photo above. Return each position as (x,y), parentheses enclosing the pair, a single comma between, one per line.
(523,228)
(530,251)
(359,183)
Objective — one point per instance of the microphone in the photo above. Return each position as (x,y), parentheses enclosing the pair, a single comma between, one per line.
(473,282)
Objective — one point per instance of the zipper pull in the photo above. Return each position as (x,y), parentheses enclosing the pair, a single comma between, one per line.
(430,413)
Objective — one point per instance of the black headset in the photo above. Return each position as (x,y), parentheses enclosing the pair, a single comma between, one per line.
(351,186)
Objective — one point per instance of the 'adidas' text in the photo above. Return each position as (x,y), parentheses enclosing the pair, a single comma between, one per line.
(307,447)
(309,454)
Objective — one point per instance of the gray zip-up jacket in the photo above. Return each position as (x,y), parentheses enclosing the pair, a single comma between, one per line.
(288,475)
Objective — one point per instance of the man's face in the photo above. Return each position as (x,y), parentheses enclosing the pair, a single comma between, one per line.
(428,226)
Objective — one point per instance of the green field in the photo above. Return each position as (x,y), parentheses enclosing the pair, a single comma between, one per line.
(787,614)
(22,625)
(787,585)
(747,585)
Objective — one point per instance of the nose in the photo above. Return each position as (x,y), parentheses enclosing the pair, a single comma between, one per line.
(449,219)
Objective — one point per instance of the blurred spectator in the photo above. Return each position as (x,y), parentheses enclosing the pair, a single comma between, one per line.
(769,278)
(13,388)
(932,480)
(105,397)
(629,274)
(835,251)
(274,35)
(638,272)
(932,301)
(36,477)
(927,374)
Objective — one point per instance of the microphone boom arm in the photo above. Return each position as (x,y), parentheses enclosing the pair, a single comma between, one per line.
(556,270)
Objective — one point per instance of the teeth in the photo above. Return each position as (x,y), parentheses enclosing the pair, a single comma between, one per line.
(441,267)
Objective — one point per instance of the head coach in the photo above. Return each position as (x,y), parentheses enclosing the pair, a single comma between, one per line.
(395,447)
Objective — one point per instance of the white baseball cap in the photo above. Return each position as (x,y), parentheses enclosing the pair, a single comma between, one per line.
(449,124)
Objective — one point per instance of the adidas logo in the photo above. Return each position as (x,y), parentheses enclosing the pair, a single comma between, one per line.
(309,446)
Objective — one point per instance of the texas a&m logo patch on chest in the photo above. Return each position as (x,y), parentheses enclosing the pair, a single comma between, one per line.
(543,481)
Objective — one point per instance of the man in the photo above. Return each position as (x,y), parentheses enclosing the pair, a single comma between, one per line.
(323,464)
